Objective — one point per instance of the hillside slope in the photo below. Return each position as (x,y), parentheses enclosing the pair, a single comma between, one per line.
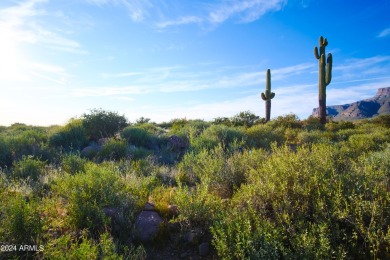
(371,107)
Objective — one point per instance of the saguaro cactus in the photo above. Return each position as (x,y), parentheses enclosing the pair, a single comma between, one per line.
(324,76)
(267,96)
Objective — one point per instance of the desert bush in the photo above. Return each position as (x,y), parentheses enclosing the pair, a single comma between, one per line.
(88,193)
(113,149)
(336,126)
(262,136)
(71,136)
(137,136)
(221,172)
(102,124)
(218,135)
(324,202)
(372,141)
(382,120)
(312,123)
(245,118)
(287,121)
(28,167)
(197,207)
(314,136)
(222,121)
(5,153)
(241,235)
(83,247)
(73,163)
(26,140)
(20,220)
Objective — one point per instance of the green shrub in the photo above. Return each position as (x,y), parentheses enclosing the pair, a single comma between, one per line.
(262,136)
(71,136)
(20,220)
(218,135)
(197,207)
(373,141)
(137,136)
(286,121)
(222,173)
(245,118)
(71,247)
(28,167)
(88,193)
(241,235)
(73,163)
(102,124)
(314,136)
(113,149)
(27,141)
(382,120)
(5,153)
(336,126)
(312,123)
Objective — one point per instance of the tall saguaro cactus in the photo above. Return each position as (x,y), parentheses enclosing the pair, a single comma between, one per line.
(324,76)
(267,96)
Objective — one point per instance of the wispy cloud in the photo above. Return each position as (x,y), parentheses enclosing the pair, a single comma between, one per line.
(22,25)
(138,9)
(384,33)
(362,68)
(214,14)
(181,21)
(245,11)
(176,79)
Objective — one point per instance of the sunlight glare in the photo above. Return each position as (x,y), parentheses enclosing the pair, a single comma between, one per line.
(11,57)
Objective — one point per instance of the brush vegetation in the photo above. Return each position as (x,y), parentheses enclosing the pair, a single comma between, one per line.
(285,189)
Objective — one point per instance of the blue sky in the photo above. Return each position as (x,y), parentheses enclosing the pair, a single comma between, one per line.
(201,59)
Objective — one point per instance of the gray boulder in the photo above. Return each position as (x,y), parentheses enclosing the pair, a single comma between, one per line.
(147,225)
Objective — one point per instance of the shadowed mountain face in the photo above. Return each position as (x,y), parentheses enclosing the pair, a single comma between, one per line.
(371,107)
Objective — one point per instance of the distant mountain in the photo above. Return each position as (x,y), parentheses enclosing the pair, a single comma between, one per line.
(371,107)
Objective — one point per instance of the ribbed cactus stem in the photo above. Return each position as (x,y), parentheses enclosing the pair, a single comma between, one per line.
(324,76)
(267,96)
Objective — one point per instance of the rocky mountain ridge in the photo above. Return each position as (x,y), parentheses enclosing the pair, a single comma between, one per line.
(367,108)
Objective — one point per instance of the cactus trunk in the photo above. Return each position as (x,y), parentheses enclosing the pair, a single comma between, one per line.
(324,77)
(267,110)
(321,91)
(267,96)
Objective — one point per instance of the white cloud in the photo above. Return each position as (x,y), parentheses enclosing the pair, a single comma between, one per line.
(23,25)
(214,14)
(246,10)
(181,21)
(138,9)
(384,33)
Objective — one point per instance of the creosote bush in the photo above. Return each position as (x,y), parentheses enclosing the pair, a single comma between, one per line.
(28,167)
(102,124)
(71,136)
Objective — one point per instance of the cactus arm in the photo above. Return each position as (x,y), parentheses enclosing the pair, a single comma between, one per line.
(316,53)
(324,42)
(272,95)
(263,96)
(328,76)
